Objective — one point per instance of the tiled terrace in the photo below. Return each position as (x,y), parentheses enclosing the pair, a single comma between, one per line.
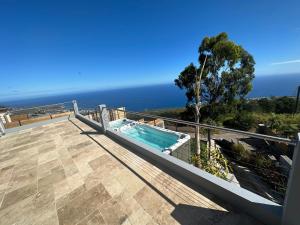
(66,173)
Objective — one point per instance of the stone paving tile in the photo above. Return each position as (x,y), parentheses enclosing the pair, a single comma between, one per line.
(65,199)
(140,217)
(113,213)
(149,200)
(19,194)
(45,169)
(56,174)
(22,178)
(80,207)
(61,189)
(47,157)
(95,218)
(5,177)
(21,213)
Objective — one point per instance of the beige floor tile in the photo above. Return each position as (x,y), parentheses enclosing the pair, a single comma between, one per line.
(75,181)
(82,206)
(56,174)
(61,188)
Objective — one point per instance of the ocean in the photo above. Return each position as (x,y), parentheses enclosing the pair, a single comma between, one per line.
(158,96)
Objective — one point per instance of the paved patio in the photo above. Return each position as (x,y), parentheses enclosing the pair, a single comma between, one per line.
(66,173)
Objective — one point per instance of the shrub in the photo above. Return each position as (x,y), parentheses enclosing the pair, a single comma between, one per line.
(242,121)
(274,123)
(262,162)
(209,121)
(288,130)
(285,105)
(216,165)
(214,110)
(240,152)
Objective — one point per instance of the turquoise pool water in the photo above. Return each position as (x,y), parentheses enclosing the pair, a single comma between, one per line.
(155,138)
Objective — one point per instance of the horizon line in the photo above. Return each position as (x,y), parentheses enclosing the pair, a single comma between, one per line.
(58,92)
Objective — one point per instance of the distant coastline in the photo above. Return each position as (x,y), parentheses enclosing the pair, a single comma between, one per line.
(159,96)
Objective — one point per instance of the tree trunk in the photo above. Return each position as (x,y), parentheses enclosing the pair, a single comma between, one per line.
(197,136)
(197,113)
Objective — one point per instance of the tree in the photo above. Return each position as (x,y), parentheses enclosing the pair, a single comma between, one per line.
(285,105)
(227,71)
(193,75)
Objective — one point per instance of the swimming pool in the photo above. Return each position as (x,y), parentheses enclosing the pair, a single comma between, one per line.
(159,138)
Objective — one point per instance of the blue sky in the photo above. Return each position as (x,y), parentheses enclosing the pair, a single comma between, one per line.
(56,46)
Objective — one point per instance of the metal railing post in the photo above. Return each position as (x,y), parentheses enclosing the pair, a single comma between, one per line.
(291,215)
(75,107)
(209,143)
(104,117)
(98,110)
(2,128)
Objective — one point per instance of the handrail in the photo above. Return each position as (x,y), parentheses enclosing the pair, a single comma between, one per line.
(211,127)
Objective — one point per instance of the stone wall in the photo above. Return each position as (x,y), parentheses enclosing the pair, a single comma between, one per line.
(183,152)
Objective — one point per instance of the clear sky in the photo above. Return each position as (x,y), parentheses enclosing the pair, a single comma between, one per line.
(56,46)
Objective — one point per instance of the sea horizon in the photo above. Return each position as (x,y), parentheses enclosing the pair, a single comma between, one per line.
(155,96)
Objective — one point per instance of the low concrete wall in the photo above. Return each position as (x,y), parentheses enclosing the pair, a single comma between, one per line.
(37,124)
(34,120)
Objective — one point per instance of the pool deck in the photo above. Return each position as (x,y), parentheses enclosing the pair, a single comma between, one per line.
(67,173)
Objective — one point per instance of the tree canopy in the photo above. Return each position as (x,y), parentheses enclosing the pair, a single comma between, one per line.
(227,75)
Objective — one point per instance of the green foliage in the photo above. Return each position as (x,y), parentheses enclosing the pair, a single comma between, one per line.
(187,79)
(285,105)
(288,130)
(271,105)
(217,164)
(241,121)
(209,121)
(214,110)
(274,123)
(170,113)
(228,71)
(281,124)
(240,153)
(193,147)
(266,105)
(262,162)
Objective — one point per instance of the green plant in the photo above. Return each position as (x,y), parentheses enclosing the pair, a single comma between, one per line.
(288,130)
(262,162)
(242,121)
(240,153)
(274,123)
(209,121)
(216,164)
